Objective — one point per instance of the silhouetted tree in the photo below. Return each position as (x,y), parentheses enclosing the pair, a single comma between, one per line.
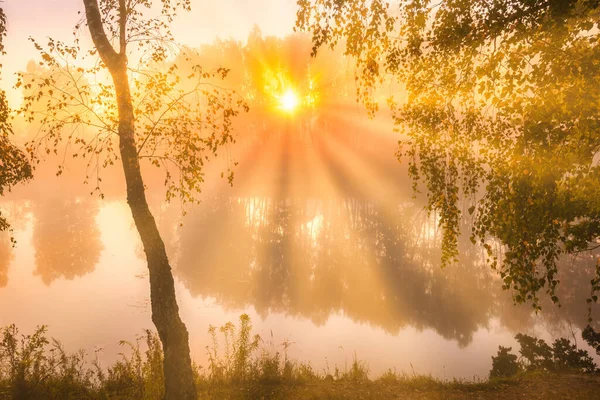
(592,338)
(136,113)
(567,357)
(504,364)
(536,353)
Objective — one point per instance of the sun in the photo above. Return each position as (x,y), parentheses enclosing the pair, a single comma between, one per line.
(289,101)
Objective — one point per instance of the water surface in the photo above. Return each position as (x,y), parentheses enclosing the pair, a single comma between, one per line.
(320,241)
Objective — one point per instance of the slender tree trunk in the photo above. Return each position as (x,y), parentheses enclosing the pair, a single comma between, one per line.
(179,378)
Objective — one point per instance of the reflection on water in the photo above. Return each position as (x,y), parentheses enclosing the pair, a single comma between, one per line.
(319,240)
(66,237)
(315,258)
(337,270)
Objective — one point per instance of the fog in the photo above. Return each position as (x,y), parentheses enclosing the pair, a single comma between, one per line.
(319,236)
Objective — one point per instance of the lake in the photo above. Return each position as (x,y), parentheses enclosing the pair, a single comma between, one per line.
(321,244)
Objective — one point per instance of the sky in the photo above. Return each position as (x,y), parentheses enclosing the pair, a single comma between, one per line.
(208,20)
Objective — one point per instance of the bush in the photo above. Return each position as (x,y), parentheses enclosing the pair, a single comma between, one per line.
(567,357)
(537,355)
(504,364)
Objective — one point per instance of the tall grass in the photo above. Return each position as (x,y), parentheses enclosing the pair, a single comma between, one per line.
(32,367)
(35,367)
(240,357)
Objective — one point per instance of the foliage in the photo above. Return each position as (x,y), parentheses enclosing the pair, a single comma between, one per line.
(504,364)
(14,166)
(241,358)
(562,356)
(178,128)
(140,375)
(499,108)
(236,365)
(537,355)
(35,367)
(567,357)
(29,370)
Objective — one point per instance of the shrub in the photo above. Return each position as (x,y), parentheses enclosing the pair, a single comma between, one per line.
(535,353)
(504,364)
(567,357)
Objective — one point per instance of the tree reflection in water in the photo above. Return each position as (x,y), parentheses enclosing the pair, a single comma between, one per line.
(335,235)
(316,258)
(66,237)
(6,256)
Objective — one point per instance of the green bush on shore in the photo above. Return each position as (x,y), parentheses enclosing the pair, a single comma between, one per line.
(536,355)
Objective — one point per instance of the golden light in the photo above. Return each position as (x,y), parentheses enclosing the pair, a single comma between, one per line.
(289,101)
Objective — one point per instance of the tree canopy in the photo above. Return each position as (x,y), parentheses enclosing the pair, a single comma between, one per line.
(499,116)
(180,127)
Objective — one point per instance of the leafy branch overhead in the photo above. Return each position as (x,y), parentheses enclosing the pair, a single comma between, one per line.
(498,110)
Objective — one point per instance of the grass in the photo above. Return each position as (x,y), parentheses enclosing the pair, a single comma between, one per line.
(243,366)
(528,386)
